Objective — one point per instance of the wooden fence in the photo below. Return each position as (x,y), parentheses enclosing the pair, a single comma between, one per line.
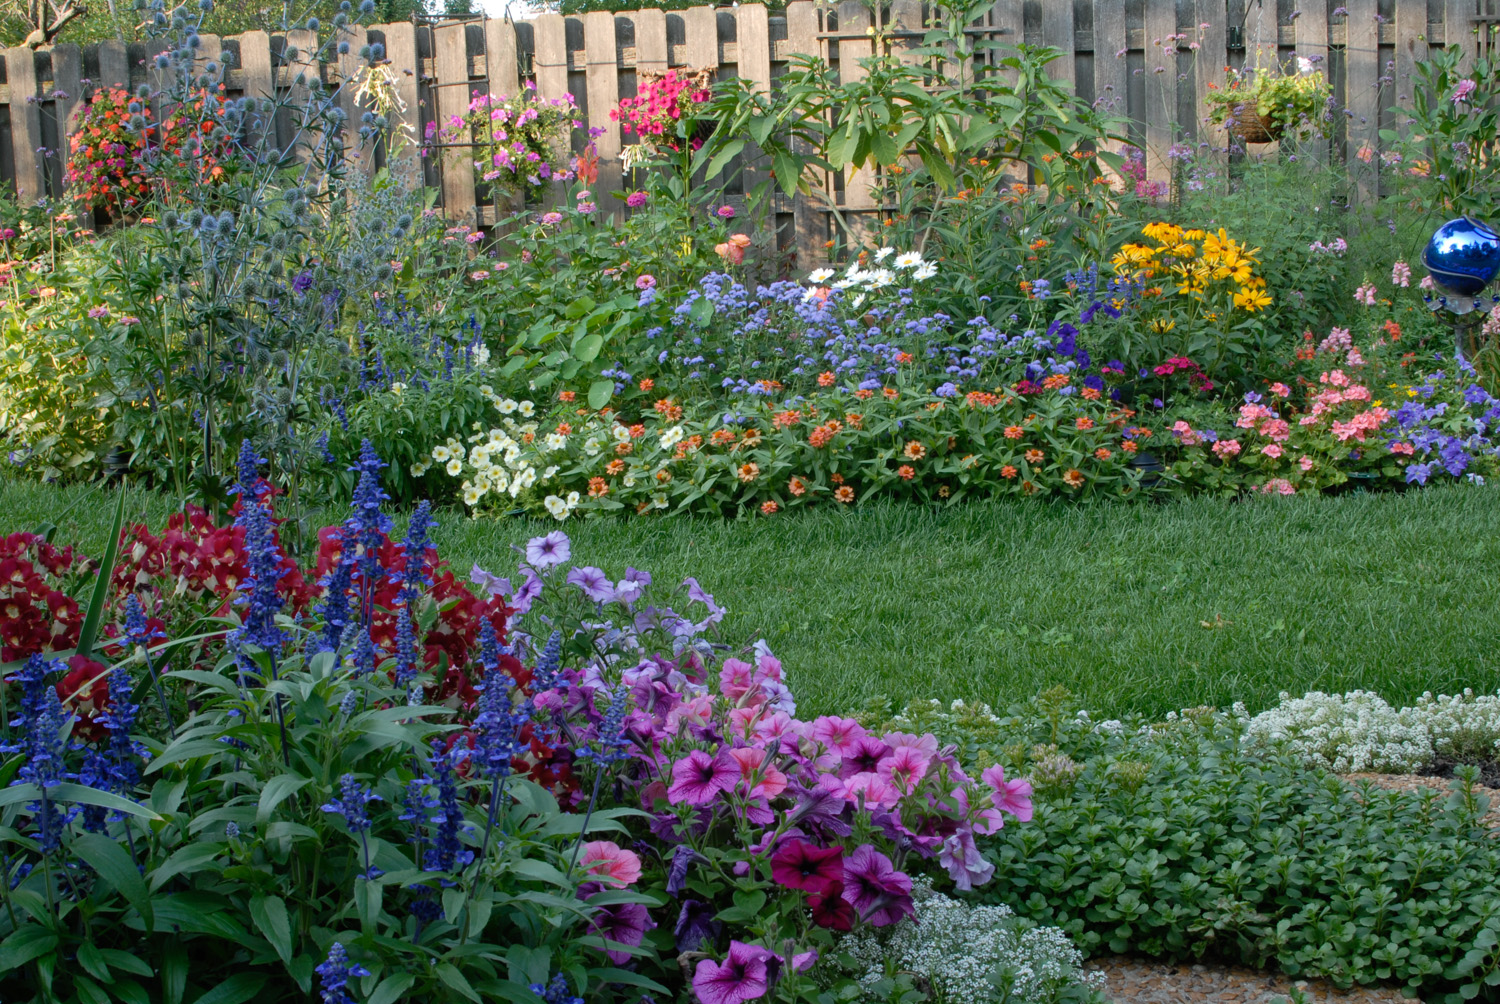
(1117,51)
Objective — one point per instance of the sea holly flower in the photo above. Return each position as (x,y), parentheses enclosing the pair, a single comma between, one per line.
(798,864)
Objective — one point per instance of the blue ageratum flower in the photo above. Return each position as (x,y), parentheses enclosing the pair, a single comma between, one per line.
(336,973)
(548,672)
(367,527)
(335,608)
(406,647)
(556,992)
(42,723)
(258,593)
(447,853)
(610,744)
(413,576)
(351,803)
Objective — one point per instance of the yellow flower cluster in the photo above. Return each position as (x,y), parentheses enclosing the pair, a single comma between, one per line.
(1199,262)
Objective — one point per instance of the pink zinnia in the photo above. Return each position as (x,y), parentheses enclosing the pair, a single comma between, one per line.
(635,200)
(646,281)
(726,212)
(1013,797)
(698,778)
(1463,90)
(611,863)
(742,976)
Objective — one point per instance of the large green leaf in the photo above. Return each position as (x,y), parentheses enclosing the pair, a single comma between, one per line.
(114,865)
(24,944)
(90,629)
(277,790)
(272,920)
(235,990)
(600,391)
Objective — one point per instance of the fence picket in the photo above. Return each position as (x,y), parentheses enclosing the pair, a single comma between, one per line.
(1111,75)
(753,31)
(501,65)
(809,220)
(114,65)
(1362,82)
(1411,46)
(1161,86)
(1458,29)
(402,50)
(603,83)
(25,125)
(1057,31)
(451,58)
(650,41)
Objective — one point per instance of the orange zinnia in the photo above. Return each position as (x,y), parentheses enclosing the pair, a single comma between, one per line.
(769,508)
(844,494)
(598,487)
(1083,422)
(748,472)
(1008,471)
(914,450)
(1034,456)
(796,486)
(906,472)
(825,379)
(1102,453)
(1074,477)
(614,467)
(1014,432)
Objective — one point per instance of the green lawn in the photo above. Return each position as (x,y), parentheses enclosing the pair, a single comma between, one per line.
(1135,607)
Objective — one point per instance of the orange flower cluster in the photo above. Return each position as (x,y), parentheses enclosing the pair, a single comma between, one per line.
(981,399)
(668,409)
(823,434)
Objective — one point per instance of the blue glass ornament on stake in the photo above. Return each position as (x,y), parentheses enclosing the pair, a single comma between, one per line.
(1463,257)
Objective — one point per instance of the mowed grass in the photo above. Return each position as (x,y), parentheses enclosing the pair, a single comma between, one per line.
(1132,606)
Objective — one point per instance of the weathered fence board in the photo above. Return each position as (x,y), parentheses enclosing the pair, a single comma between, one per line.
(596,58)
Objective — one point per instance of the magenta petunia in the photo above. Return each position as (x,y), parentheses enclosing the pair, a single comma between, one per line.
(624,924)
(873,886)
(698,778)
(798,864)
(742,976)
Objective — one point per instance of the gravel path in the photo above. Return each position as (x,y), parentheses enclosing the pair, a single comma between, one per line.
(1133,981)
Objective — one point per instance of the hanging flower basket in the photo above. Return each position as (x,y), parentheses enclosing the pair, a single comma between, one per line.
(1249,126)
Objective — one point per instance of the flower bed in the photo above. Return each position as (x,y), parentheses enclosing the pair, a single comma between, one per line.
(346,771)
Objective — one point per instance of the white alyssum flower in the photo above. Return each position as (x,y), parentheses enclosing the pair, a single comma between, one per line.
(1345,733)
(971,954)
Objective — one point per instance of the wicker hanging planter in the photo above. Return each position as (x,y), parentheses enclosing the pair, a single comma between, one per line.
(1249,126)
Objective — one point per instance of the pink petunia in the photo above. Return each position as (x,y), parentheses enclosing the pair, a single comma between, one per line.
(1013,797)
(611,863)
(755,766)
(742,976)
(904,768)
(698,778)
(838,734)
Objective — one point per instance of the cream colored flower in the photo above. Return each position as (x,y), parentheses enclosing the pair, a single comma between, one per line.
(556,506)
(508,406)
(526,409)
(441,454)
(455,467)
(671,437)
(908,259)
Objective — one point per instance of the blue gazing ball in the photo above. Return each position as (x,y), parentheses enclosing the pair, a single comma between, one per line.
(1463,257)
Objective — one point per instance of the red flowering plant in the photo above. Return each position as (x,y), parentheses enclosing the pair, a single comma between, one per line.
(664,111)
(774,833)
(103,151)
(117,150)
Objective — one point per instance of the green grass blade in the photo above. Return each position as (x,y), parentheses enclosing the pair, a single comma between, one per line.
(90,631)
